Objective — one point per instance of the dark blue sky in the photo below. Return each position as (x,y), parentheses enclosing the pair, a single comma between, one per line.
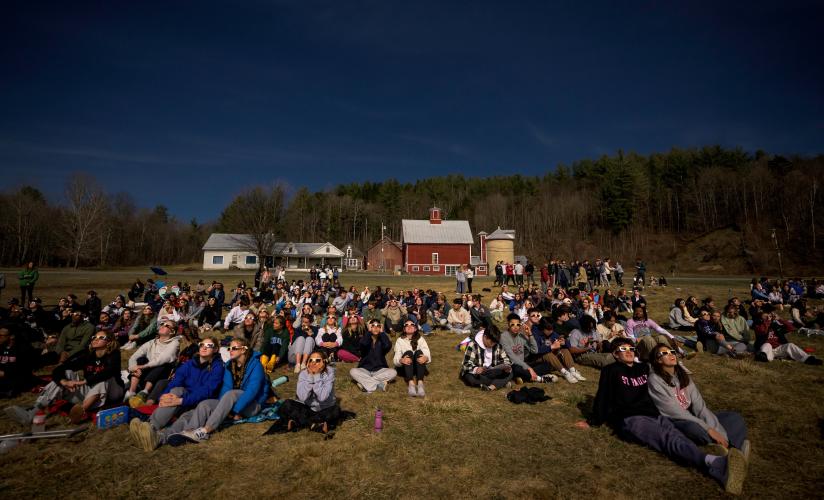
(187,103)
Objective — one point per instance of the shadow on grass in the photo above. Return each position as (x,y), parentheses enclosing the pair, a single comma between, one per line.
(585,406)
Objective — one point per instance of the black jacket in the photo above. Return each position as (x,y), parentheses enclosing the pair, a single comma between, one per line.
(622,392)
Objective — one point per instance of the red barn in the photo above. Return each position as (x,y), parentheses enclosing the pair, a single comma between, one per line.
(436,246)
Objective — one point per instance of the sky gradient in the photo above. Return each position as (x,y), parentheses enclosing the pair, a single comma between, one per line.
(187,103)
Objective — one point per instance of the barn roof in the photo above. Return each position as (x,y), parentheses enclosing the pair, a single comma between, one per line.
(448,231)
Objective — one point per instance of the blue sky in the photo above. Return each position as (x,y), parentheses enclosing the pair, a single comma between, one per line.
(187,103)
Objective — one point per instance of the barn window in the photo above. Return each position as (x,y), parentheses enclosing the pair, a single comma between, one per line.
(426,268)
(436,268)
(415,269)
(435,257)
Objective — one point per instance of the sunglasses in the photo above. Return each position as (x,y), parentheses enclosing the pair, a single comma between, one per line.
(207,345)
(665,352)
(315,360)
(409,324)
(100,337)
(238,348)
(625,348)
(538,315)
(514,324)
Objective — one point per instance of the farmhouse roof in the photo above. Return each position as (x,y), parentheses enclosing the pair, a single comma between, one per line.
(448,231)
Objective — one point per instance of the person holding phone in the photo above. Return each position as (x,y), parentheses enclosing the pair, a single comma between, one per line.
(486,364)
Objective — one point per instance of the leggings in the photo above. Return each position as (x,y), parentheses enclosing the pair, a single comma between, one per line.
(415,370)
(498,381)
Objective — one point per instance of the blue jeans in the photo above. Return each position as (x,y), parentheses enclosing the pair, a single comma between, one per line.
(660,434)
(731,422)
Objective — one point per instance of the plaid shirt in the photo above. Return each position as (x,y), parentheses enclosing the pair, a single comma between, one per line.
(474,357)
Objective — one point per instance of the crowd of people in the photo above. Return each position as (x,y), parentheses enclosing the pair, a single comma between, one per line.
(197,359)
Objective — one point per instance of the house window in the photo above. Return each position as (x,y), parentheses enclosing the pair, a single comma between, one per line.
(349,253)
(426,268)
(437,269)
(415,269)
(234,259)
(451,269)
(327,249)
(352,263)
(217,259)
(435,257)
(251,260)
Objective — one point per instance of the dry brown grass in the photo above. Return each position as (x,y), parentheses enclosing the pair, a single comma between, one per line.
(457,442)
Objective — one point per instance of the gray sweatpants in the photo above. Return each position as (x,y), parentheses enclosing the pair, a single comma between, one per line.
(370,380)
(301,345)
(784,351)
(108,390)
(162,415)
(211,412)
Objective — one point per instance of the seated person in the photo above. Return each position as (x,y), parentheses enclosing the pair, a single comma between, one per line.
(244,371)
(735,326)
(678,316)
(275,346)
(518,343)
(486,364)
(771,340)
(551,349)
(16,364)
(303,342)
(74,338)
(459,320)
(315,405)
(586,346)
(412,357)
(249,328)
(710,332)
(100,385)
(351,336)
(394,315)
(609,329)
(152,362)
(623,402)
(196,380)
(329,338)
(373,373)
(438,312)
(647,333)
(677,398)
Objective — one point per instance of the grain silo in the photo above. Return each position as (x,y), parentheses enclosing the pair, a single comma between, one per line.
(500,246)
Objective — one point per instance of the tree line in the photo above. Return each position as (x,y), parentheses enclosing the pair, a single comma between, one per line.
(621,205)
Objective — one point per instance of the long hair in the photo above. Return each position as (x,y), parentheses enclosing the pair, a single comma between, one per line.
(238,372)
(657,367)
(111,345)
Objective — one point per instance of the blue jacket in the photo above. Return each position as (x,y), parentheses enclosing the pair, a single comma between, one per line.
(200,381)
(254,385)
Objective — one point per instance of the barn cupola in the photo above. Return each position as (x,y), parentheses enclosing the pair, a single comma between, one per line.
(434,215)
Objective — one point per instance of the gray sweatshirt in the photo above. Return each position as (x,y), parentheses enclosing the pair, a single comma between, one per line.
(317,391)
(517,348)
(682,404)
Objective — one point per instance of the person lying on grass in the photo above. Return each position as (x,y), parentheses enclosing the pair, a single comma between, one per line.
(99,365)
(412,357)
(196,380)
(315,405)
(623,402)
(678,398)
(486,364)
(245,388)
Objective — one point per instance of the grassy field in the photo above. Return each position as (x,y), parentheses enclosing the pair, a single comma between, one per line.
(457,442)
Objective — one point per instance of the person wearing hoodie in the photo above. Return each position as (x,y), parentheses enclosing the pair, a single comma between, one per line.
(518,343)
(677,319)
(771,340)
(75,336)
(101,383)
(275,349)
(373,372)
(245,388)
(678,398)
(412,358)
(486,364)
(315,405)
(623,402)
(152,362)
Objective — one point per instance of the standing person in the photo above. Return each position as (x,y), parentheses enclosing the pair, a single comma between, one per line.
(618,270)
(27,278)
(460,280)
(470,275)
(545,277)
(529,270)
(640,272)
(315,405)
(677,398)
(412,357)
(623,402)
(499,274)
(510,274)
(519,273)
(373,373)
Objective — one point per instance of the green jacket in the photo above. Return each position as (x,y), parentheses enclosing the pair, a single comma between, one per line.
(28,277)
(370,314)
(74,339)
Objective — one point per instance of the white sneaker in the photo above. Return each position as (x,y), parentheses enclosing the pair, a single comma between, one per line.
(297,368)
(569,377)
(575,373)
(303,366)
(196,436)
(128,346)
(128,395)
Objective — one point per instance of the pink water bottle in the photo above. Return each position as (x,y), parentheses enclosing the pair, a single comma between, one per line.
(378,420)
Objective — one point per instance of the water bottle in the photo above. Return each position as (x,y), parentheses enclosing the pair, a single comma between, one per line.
(280,381)
(378,420)
(38,423)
